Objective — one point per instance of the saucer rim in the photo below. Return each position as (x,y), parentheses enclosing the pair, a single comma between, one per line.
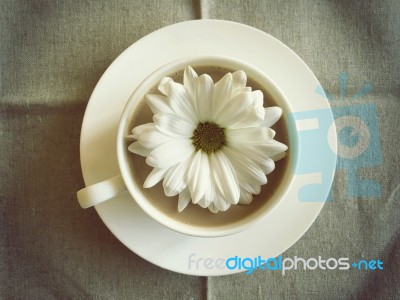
(104,209)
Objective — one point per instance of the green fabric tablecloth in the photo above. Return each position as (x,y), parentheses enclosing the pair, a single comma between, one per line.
(52,54)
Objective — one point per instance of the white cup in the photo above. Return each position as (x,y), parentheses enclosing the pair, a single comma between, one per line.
(207,224)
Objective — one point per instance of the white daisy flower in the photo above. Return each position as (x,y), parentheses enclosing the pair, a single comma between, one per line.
(210,143)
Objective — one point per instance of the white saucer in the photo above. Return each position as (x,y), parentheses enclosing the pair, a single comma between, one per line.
(144,236)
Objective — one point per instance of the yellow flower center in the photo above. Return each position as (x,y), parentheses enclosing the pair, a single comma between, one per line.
(208,137)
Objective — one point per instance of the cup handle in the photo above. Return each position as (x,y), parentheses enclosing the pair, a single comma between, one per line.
(101,191)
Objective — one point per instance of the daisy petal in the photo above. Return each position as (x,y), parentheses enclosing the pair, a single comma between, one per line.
(258,102)
(189,78)
(173,125)
(245,197)
(247,171)
(221,204)
(234,109)
(181,102)
(239,79)
(184,199)
(224,176)
(204,98)
(258,99)
(168,154)
(272,148)
(202,202)
(252,135)
(158,104)
(174,181)
(222,92)
(164,85)
(155,176)
(138,149)
(172,188)
(278,156)
(246,89)
(138,130)
(152,138)
(198,176)
(272,115)
(250,188)
(266,164)
(252,118)
(213,208)
(210,193)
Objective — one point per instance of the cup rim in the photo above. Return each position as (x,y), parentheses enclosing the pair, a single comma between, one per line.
(135,190)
